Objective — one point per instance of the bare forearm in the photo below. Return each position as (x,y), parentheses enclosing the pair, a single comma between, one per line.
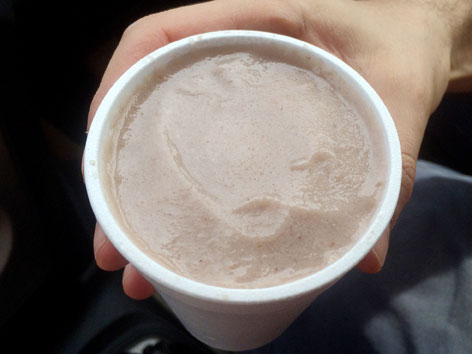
(457,15)
(456,19)
(461,55)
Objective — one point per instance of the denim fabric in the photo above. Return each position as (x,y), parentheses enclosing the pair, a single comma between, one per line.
(421,302)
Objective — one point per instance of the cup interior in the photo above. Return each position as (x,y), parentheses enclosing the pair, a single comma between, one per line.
(348,82)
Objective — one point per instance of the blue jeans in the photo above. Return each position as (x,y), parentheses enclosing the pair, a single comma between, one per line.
(421,302)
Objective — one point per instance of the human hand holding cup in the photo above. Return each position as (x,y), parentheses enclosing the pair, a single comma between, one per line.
(121,62)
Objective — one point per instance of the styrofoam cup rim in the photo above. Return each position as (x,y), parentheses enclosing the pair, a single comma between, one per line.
(172,281)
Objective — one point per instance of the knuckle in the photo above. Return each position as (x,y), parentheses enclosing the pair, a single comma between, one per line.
(407,183)
(408,177)
(143,37)
(285,17)
(136,25)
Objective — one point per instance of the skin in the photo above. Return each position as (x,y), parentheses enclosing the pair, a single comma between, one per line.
(404,49)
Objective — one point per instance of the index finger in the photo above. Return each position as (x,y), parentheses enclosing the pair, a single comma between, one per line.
(155,31)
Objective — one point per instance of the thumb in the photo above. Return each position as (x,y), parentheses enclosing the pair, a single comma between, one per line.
(375,259)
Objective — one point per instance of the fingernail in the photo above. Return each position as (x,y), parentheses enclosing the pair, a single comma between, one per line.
(98,240)
(126,272)
(380,261)
(381,248)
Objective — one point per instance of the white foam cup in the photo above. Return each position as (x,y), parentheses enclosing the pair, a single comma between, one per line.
(238,319)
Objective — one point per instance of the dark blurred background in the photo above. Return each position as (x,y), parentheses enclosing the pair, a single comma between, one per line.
(53,299)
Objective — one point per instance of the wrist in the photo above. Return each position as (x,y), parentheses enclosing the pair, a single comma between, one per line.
(456,17)
(453,30)
(461,52)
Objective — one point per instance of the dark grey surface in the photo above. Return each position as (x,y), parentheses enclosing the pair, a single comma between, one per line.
(53,55)
(420,302)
